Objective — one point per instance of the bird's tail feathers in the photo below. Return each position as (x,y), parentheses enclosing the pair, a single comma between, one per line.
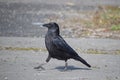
(83,61)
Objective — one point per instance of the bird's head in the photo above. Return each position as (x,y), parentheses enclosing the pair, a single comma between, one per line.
(51,25)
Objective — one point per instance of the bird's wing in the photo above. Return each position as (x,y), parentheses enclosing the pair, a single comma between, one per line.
(60,44)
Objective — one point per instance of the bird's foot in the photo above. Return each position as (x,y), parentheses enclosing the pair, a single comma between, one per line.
(39,67)
(65,69)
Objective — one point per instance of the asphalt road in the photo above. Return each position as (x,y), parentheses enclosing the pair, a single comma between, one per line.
(16,63)
(19,65)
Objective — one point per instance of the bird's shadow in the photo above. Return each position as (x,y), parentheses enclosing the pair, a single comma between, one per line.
(61,68)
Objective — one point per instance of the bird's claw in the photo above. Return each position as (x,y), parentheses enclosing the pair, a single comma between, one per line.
(39,67)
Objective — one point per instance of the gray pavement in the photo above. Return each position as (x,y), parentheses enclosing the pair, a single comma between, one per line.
(76,43)
(18,65)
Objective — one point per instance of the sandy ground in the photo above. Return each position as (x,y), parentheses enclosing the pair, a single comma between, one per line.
(19,64)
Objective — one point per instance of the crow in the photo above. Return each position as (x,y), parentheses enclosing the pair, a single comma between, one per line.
(58,48)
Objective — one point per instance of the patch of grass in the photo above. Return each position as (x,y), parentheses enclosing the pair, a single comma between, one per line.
(92,51)
(89,51)
(22,48)
(95,67)
(118,51)
(115,27)
(96,51)
(107,16)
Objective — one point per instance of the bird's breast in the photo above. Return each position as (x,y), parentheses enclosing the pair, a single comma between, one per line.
(48,43)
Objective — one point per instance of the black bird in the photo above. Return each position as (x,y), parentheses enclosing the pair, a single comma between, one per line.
(57,46)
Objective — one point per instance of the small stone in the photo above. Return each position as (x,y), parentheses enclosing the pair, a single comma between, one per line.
(105,65)
(116,77)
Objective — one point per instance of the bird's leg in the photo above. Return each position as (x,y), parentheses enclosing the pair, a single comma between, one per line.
(40,66)
(66,64)
(48,59)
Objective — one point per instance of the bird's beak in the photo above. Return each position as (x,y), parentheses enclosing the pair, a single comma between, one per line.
(45,25)
(37,24)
